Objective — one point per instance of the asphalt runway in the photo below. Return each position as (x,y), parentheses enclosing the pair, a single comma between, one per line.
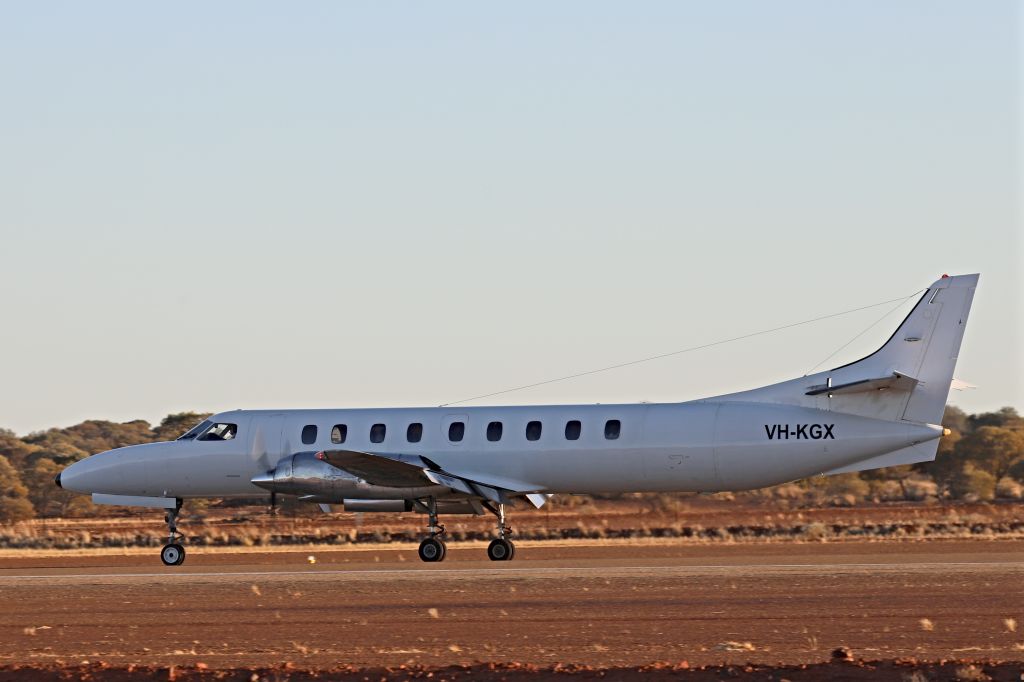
(605,604)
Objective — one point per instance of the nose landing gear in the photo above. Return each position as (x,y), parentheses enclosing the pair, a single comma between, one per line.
(173,554)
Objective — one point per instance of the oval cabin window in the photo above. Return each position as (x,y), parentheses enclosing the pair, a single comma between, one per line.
(377,432)
(309,434)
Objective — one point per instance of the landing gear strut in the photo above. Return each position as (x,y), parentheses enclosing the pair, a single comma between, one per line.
(433,548)
(173,554)
(501,548)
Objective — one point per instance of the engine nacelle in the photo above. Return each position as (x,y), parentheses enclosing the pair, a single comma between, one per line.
(302,474)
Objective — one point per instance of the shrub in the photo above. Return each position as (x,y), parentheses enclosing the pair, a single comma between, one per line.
(919,489)
(787,491)
(1009,489)
(847,484)
(971,483)
(1016,470)
(15,509)
(887,491)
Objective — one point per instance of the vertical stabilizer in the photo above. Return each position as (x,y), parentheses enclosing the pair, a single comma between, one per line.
(907,379)
(925,348)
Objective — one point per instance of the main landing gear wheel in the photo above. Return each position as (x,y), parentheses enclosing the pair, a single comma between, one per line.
(501,549)
(432,549)
(172,554)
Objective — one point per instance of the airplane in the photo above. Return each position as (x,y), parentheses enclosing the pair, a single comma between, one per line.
(882,410)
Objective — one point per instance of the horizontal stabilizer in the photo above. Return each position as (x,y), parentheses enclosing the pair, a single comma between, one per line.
(961,385)
(893,382)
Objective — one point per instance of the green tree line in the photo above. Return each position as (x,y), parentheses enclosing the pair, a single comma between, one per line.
(982,454)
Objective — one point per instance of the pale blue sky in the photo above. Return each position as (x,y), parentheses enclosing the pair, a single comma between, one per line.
(218,205)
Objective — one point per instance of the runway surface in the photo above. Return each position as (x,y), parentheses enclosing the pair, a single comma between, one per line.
(608,604)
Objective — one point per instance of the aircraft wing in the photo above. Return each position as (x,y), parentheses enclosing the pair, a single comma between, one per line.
(409,471)
(395,470)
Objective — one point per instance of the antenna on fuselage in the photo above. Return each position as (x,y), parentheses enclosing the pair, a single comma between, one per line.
(901,300)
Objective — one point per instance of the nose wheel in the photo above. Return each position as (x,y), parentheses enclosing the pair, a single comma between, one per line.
(173,554)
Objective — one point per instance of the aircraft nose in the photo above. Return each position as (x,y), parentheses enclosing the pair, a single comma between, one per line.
(86,475)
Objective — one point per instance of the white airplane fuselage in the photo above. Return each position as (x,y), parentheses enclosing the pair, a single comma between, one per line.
(696,447)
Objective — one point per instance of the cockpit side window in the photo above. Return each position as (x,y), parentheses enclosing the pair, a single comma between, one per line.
(195,430)
(219,432)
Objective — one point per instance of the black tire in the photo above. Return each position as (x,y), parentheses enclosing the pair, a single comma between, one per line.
(172,555)
(432,550)
(500,549)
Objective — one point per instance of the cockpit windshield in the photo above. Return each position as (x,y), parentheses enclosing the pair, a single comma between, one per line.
(208,430)
(219,432)
(195,430)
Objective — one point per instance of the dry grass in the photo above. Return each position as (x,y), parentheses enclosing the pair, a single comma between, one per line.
(685,519)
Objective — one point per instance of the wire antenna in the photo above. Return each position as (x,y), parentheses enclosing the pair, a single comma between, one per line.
(862,333)
(660,356)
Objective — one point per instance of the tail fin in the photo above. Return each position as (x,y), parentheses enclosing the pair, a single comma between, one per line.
(907,379)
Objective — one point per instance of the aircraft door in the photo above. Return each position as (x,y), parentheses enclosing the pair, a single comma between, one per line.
(265,446)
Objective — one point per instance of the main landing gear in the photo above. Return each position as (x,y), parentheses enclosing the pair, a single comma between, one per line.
(501,548)
(433,548)
(173,554)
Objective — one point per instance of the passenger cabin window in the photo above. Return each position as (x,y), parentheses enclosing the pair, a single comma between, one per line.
(339,433)
(572,430)
(494,432)
(195,430)
(219,432)
(309,434)
(533,431)
(377,432)
(456,430)
(414,433)
(612,427)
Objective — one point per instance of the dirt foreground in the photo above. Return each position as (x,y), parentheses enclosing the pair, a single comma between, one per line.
(626,609)
(838,670)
